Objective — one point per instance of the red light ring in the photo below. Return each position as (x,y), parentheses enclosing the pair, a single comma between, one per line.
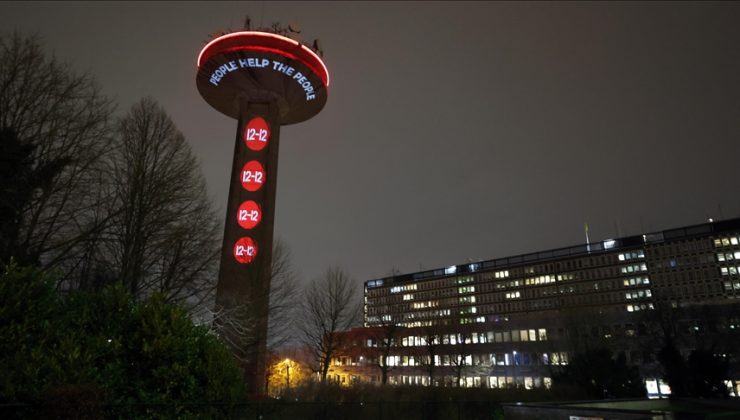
(320,70)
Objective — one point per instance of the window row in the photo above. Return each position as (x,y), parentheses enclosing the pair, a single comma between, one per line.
(638,294)
(406,288)
(513,358)
(636,281)
(631,255)
(633,268)
(726,241)
(728,256)
(640,307)
(729,271)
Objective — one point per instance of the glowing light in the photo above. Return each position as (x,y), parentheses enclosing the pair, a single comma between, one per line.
(245,250)
(256,134)
(322,71)
(243,33)
(249,214)
(252,176)
(320,61)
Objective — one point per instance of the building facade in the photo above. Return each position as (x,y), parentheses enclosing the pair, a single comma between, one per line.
(516,320)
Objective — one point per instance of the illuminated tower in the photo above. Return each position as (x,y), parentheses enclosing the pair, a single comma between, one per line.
(263,80)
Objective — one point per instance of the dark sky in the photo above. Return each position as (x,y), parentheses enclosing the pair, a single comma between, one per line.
(453,131)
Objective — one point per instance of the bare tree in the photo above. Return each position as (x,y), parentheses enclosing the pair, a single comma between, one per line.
(459,360)
(432,341)
(387,336)
(330,306)
(65,122)
(284,293)
(236,325)
(164,236)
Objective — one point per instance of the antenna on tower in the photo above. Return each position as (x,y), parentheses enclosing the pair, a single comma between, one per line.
(247,23)
(318,48)
(588,243)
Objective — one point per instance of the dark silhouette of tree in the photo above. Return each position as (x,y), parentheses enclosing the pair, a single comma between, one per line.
(329,306)
(674,369)
(602,375)
(61,132)
(235,324)
(708,373)
(701,375)
(696,345)
(433,339)
(163,236)
(458,360)
(284,299)
(387,336)
(20,178)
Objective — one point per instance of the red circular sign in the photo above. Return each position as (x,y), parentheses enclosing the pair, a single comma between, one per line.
(256,134)
(252,176)
(249,214)
(245,250)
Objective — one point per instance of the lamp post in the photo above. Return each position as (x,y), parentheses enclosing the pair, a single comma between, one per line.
(287,373)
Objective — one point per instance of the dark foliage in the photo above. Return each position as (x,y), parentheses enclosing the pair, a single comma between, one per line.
(701,375)
(87,349)
(601,375)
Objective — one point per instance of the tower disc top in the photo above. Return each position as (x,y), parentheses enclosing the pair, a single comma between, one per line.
(262,67)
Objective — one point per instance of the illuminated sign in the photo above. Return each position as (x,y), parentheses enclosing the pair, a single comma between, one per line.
(252,176)
(257,134)
(256,62)
(249,214)
(245,250)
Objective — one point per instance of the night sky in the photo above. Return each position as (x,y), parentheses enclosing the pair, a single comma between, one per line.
(453,132)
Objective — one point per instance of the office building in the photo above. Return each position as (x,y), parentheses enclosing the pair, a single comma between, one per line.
(515,320)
